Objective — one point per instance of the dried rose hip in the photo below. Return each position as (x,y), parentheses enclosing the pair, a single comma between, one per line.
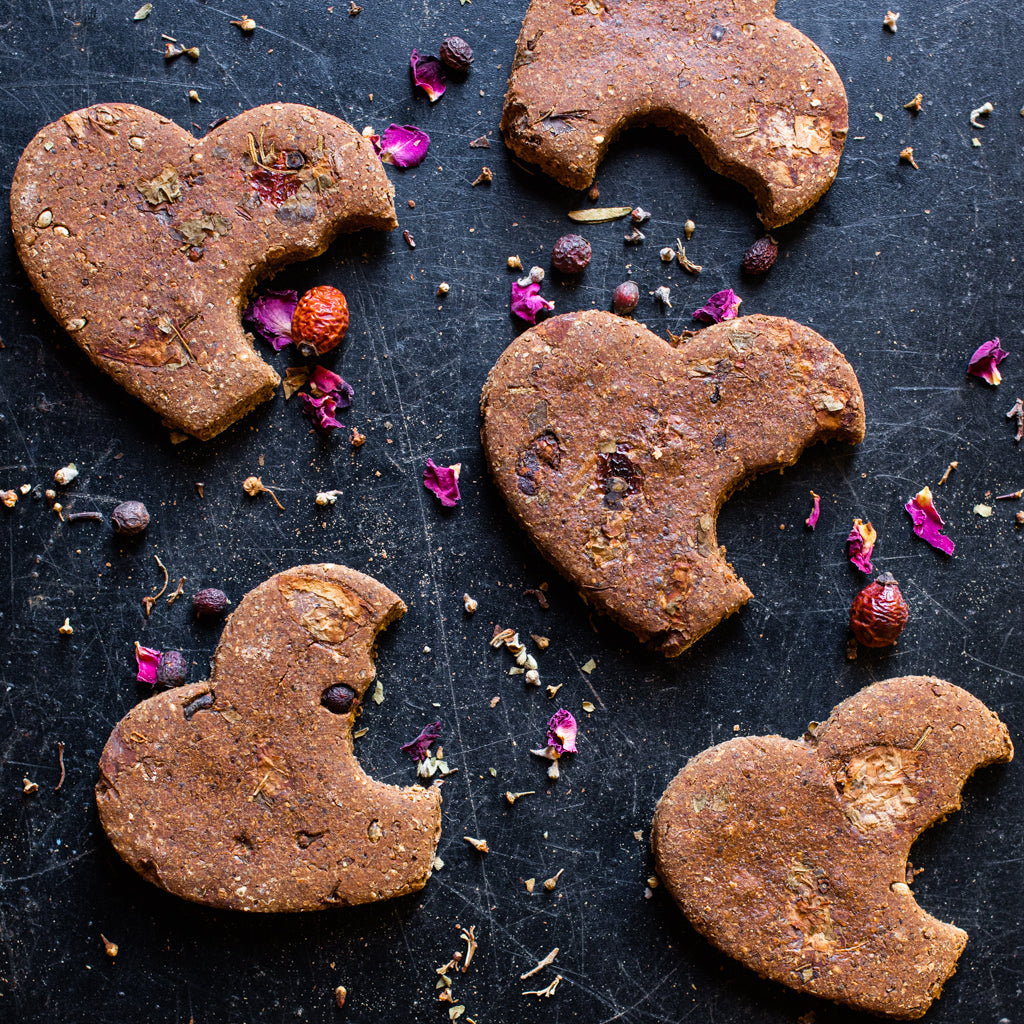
(172,669)
(571,254)
(338,699)
(129,518)
(320,320)
(456,53)
(625,298)
(879,613)
(209,601)
(761,256)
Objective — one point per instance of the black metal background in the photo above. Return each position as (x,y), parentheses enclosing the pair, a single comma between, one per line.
(906,271)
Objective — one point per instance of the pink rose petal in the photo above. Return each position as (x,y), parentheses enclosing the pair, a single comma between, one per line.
(723,305)
(927,521)
(527,301)
(148,661)
(428,74)
(321,410)
(985,361)
(862,543)
(561,738)
(324,381)
(270,314)
(403,145)
(444,482)
(812,519)
(418,748)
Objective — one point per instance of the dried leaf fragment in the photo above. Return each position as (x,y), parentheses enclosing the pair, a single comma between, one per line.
(142,13)
(599,214)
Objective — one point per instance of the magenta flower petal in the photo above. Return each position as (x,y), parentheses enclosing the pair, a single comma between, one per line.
(321,410)
(562,732)
(270,315)
(418,748)
(527,301)
(862,543)
(148,661)
(403,145)
(444,482)
(723,305)
(812,519)
(428,74)
(985,361)
(927,521)
(324,381)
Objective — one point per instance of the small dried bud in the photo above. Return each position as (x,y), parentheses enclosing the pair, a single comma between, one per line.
(129,518)
(907,156)
(246,24)
(28,786)
(253,486)
(9,499)
(443,289)
(625,298)
(480,845)
(340,995)
(110,948)
(327,497)
(469,603)
(67,629)
(514,263)
(50,494)
(688,229)
(209,602)
(66,474)
(194,96)
(571,254)
(193,52)
(635,237)
(536,274)
(914,106)
(532,677)
(172,669)
(456,53)
(639,215)
(661,295)
(761,256)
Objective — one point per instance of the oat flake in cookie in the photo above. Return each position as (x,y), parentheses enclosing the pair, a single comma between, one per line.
(145,242)
(615,451)
(243,791)
(759,100)
(791,855)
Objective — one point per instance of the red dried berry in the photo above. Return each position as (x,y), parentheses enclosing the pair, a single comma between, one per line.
(172,669)
(320,320)
(456,53)
(210,601)
(625,298)
(571,254)
(129,518)
(879,613)
(761,256)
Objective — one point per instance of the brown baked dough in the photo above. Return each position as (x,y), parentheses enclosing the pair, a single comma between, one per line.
(243,791)
(145,242)
(759,100)
(616,451)
(791,855)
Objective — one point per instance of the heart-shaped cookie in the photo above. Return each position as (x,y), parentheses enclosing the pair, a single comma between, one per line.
(145,242)
(759,100)
(791,855)
(616,451)
(243,791)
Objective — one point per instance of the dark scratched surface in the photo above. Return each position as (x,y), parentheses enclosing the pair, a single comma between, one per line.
(907,271)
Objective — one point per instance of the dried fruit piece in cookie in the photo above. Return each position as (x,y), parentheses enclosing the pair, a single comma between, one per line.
(242,791)
(145,242)
(759,100)
(615,451)
(791,855)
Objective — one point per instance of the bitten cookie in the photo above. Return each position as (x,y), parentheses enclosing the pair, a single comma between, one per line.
(243,791)
(759,100)
(145,242)
(791,855)
(616,451)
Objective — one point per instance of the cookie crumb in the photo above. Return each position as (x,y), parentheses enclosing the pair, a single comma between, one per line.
(530,883)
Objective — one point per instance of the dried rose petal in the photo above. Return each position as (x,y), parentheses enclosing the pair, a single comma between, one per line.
(927,521)
(403,145)
(812,519)
(270,314)
(723,305)
(321,410)
(418,748)
(527,301)
(444,482)
(562,732)
(148,661)
(985,361)
(324,382)
(862,543)
(428,74)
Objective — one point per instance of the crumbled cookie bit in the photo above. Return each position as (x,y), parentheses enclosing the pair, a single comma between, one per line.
(340,995)
(480,845)
(357,438)
(470,604)
(9,498)
(66,474)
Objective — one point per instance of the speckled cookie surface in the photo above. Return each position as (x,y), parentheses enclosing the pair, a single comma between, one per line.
(615,451)
(145,242)
(791,855)
(760,101)
(243,791)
